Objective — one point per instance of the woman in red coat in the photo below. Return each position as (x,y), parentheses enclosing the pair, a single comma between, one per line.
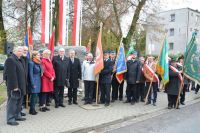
(47,79)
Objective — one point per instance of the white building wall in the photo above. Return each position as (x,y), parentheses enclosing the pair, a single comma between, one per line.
(184,24)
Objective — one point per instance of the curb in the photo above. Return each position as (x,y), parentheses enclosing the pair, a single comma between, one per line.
(127,120)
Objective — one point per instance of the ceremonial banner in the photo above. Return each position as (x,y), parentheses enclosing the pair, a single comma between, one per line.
(76,35)
(120,64)
(45,19)
(99,65)
(191,67)
(163,63)
(62,21)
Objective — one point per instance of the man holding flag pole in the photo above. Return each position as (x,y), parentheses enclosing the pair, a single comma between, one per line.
(99,65)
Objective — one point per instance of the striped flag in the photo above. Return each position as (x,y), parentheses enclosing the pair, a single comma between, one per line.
(62,21)
(120,64)
(45,21)
(76,35)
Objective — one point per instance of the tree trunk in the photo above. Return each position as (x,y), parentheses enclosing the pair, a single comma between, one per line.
(2,30)
(127,39)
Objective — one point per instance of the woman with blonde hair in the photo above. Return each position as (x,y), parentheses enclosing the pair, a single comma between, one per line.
(47,79)
(35,73)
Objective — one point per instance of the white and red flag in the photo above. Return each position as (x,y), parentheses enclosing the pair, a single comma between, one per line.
(76,33)
(62,21)
(45,19)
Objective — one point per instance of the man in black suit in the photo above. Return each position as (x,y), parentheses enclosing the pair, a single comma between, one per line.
(105,80)
(75,76)
(61,67)
(15,77)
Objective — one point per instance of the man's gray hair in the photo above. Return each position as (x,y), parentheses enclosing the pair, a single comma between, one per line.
(90,54)
(72,50)
(61,49)
(17,48)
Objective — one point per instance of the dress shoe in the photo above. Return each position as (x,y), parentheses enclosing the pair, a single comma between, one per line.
(120,99)
(43,109)
(69,103)
(62,105)
(56,106)
(85,103)
(33,112)
(23,114)
(169,107)
(182,103)
(107,104)
(126,101)
(48,104)
(148,103)
(20,119)
(154,104)
(47,109)
(75,103)
(132,103)
(13,123)
(112,101)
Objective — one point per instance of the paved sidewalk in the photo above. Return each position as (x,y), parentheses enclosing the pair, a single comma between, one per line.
(74,118)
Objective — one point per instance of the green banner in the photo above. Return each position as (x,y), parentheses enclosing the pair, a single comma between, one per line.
(192,60)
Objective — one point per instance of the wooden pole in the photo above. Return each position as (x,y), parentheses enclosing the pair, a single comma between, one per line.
(26,101)
(146,98)
(97,90)
(179,92)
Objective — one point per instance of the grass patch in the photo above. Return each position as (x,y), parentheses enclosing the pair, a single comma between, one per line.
(2,93)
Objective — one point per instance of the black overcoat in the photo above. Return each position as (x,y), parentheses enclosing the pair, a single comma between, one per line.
(106,74)
(75,73)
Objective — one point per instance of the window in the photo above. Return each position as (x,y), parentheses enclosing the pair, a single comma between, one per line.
(171,46)
(172,17)
(197,18)
(171,32)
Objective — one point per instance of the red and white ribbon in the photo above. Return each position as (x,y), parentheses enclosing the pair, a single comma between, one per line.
(179,75)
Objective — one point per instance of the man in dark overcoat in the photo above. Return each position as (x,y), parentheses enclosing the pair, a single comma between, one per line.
(132,77)
(15,78)
(105,80)
(75,76)
(61,67)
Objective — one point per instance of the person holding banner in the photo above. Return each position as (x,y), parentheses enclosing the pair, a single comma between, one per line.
(152,79)
(172,87)
(105,80)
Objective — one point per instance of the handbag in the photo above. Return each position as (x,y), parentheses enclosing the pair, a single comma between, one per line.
(67,83)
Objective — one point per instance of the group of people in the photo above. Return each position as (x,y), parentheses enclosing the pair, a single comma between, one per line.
(41,75)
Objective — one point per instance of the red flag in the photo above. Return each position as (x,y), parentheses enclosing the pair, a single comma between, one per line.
(51,43)
(99,55)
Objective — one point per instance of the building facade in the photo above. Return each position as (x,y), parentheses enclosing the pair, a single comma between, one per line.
(179,24)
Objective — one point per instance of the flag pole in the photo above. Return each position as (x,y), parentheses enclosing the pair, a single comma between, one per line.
(97,78)
(179,92)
